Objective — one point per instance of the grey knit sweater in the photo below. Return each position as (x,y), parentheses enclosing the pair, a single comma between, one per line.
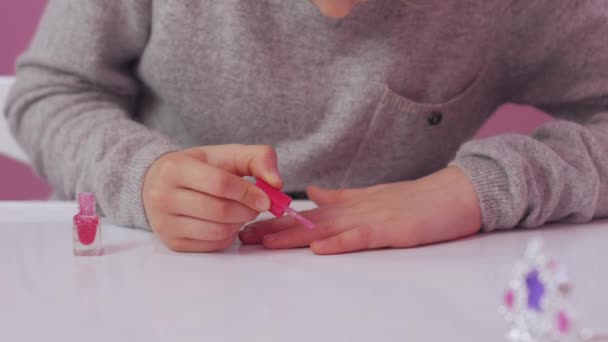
(389,93)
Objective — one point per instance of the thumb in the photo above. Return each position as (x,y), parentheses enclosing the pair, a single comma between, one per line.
(323,196)
(259,161)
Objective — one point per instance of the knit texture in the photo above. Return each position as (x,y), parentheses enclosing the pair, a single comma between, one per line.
(389,93)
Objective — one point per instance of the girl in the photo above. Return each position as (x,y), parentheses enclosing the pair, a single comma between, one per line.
(160,108)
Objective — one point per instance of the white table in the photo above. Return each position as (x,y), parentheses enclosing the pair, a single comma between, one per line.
(140,291)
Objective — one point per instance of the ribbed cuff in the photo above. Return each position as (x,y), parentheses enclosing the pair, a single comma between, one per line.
(492,185)
(133,213)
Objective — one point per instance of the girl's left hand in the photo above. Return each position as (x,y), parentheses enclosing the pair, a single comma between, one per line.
(442,206)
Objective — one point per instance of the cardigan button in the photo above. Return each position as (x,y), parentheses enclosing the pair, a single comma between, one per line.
(435,118)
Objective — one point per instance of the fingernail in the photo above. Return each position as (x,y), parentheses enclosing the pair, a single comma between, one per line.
(318,246)
(270,237)
(317,243)
(273,177)
(247,232)
(263,204)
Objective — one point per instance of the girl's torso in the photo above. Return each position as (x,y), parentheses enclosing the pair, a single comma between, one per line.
(386,94)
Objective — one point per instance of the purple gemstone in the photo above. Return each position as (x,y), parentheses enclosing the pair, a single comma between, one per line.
(536,290)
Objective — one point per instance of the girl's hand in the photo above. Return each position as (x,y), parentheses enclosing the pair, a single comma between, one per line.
(196,199)
(440,207)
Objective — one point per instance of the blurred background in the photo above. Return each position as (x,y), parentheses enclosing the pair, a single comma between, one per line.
(18,21)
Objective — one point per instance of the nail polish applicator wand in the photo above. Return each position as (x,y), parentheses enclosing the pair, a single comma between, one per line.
(279,203)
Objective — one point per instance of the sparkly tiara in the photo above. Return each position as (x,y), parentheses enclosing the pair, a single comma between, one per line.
(536,305)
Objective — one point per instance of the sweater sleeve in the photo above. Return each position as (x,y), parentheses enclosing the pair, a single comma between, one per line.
(73,104)
(557,61)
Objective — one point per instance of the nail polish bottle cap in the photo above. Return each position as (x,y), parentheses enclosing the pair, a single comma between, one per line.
(86,203)
(278,200)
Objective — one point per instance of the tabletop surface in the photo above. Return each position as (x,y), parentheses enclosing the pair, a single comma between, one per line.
(140,291)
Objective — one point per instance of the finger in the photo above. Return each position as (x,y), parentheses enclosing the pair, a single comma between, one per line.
(197,246)
(259,161)
(255,232)
(321,196)
(210,208)
(327,196)
(198,176)
(190,228)
(299,236)
(357,239)
(250,236)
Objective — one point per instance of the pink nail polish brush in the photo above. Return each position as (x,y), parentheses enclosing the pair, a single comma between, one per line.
(279,203)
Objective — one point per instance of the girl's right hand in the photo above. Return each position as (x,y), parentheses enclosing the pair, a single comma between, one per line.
(196,199)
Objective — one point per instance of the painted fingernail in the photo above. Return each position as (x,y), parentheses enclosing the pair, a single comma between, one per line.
(263,204)
(249,227)
(270,237)
(247,233)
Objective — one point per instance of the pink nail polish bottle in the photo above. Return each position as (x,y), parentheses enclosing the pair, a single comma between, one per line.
(87,228)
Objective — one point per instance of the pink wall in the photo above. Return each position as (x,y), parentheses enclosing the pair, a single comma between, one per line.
(18,20)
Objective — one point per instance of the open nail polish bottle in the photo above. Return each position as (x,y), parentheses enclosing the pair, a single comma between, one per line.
(87,227)
(279,204)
